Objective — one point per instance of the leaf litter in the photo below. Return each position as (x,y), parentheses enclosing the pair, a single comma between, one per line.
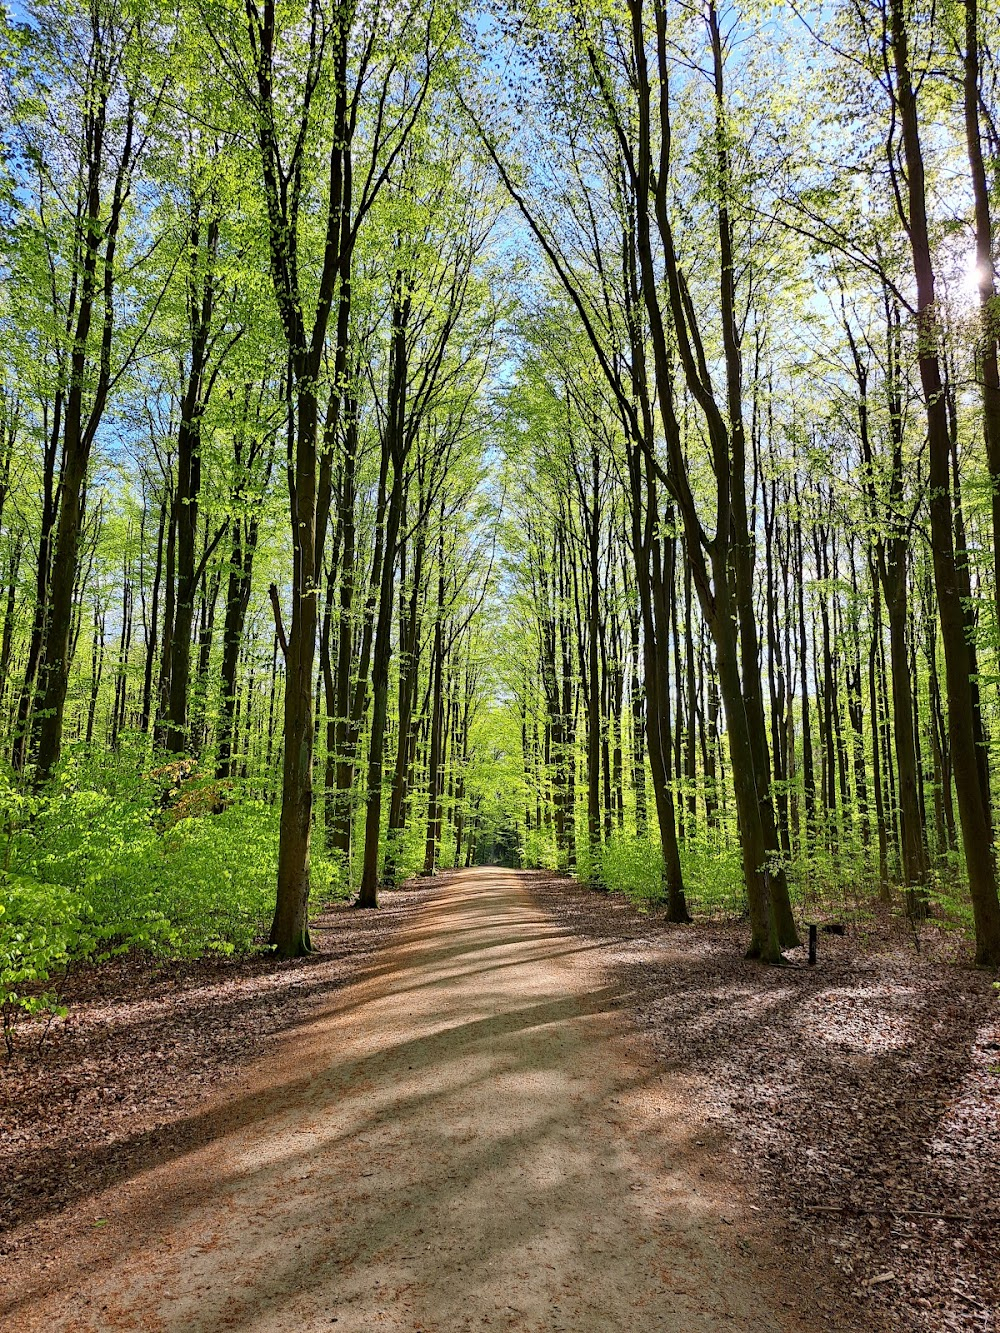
(114,1086)
(861,1096)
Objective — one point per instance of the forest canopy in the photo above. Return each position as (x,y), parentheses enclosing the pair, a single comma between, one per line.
(562,434)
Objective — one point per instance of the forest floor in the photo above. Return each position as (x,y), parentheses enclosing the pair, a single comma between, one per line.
(860,1097)
(503,1101)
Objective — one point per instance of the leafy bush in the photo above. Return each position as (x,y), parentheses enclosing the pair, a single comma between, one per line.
(409,845)
(713,877)
(43,928)
(540,849)
(634,867)
(145,859)
(205,883)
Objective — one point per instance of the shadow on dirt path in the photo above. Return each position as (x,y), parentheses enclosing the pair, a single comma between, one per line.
(461,1139)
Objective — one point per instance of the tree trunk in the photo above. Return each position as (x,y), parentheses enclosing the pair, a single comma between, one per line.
(437,722)
(193,404)
(395,443)
(974,812)
(990,331)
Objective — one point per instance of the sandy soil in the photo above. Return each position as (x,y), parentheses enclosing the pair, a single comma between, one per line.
(463,1138)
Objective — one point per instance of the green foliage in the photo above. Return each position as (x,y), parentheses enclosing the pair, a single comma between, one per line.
(140,863)
(634,867)
(205,883)
(949,904)
(408,849)
(43,928)
(540,849)
(713,876)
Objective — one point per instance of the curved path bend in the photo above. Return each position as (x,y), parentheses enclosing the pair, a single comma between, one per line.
(462,1139)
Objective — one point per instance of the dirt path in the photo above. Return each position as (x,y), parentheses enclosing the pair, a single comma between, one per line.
(462,1139)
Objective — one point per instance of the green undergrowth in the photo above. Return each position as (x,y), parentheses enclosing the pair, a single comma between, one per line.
(843,885)
(160,860)
(712,875)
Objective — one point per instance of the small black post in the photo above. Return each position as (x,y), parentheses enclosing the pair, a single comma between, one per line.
(812,943)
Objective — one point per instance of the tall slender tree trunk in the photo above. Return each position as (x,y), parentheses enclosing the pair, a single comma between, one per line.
(875,712)
(152,626)
(434,774)
(96,669)
(409,669)
(97,287)
(989,337)
(974,811)
(10,604)
(394,447)
(245,536)
(193,403)
(637,701)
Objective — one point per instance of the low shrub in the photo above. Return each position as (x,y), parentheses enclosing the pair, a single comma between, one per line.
(43,929)
(159,863)
(713,878)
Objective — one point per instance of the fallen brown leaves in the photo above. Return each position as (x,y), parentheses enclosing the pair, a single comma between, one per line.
(117,1085)
(863,1095)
